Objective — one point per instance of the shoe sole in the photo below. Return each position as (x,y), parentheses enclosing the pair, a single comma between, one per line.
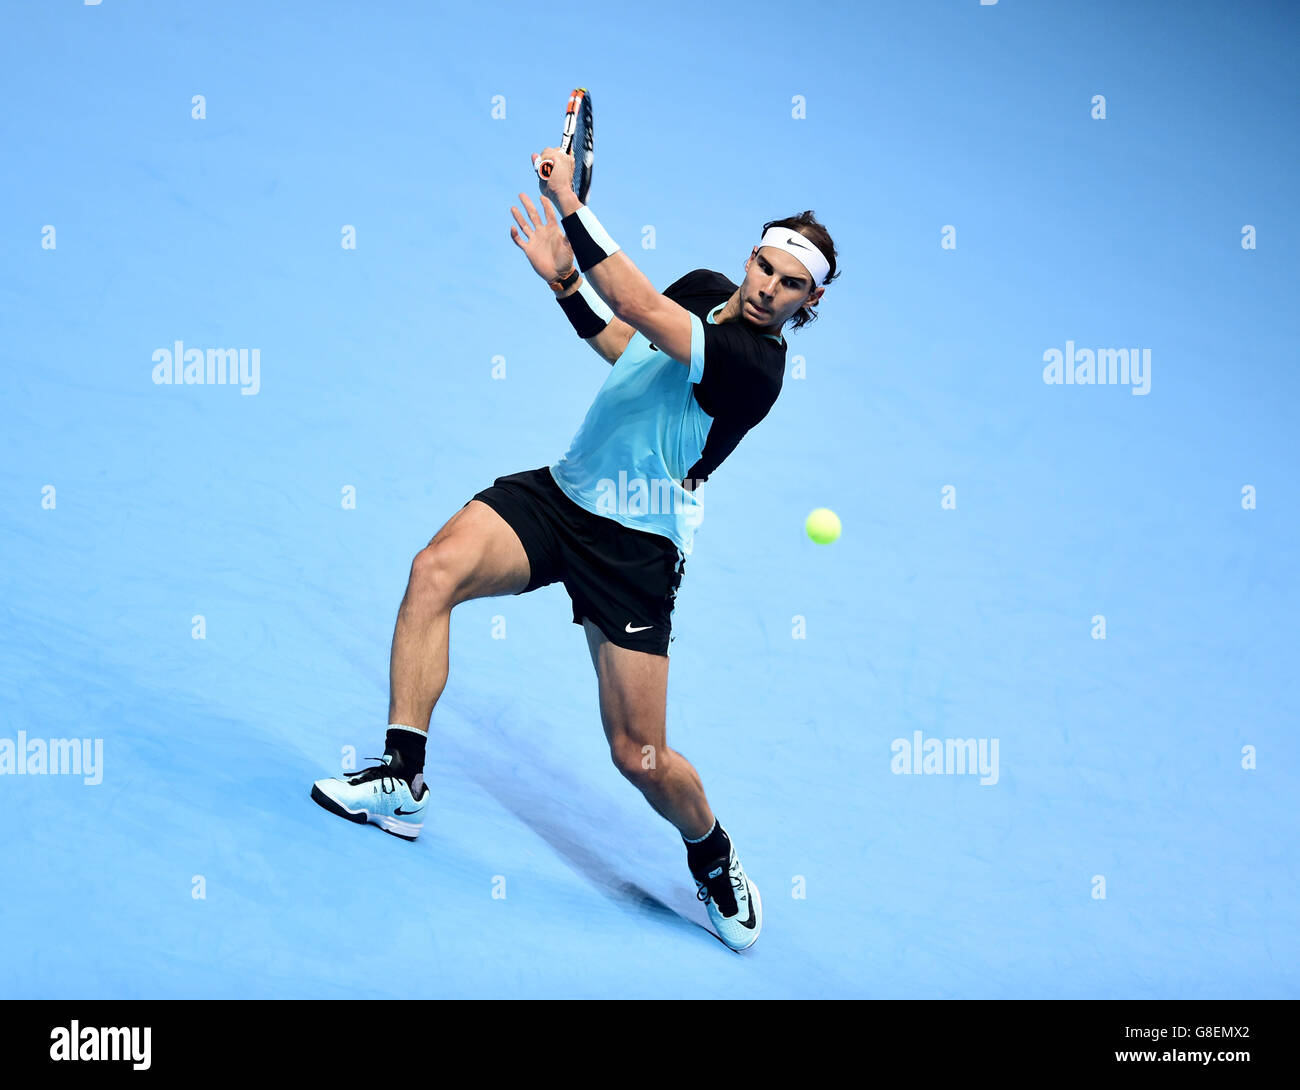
(758,914)
(362,817)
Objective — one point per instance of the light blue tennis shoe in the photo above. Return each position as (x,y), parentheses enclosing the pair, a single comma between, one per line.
(379,795)
(734,906)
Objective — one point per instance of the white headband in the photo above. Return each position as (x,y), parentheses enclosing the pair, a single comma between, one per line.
(794,244)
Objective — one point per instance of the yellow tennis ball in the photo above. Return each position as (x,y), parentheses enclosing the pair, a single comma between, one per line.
(823,526)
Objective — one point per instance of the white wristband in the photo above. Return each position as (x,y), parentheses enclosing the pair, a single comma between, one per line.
(594,301)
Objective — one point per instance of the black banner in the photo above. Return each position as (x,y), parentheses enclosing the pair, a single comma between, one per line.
(150,1038)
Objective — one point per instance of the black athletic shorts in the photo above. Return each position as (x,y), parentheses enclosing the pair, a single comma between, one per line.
(622,580)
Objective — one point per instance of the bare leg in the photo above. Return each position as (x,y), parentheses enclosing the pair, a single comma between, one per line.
(633,710)
(475,555)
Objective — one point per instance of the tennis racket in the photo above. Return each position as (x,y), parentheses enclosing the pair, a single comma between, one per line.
(578,141)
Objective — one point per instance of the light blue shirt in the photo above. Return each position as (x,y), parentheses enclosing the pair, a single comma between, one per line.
(641,436)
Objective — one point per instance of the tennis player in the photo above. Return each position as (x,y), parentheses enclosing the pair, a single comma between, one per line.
(694,369)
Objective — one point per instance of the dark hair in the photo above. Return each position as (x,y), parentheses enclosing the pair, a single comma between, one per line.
(806,224)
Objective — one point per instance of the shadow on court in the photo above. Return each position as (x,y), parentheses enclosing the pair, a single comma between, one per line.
(629,862)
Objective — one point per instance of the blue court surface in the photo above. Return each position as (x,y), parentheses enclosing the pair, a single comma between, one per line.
(1088,587)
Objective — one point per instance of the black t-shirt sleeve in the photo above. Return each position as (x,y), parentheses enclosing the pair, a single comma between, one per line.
(681,289)
(739,383)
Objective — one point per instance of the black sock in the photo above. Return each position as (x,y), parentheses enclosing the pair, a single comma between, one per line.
(715,846)
(406,746)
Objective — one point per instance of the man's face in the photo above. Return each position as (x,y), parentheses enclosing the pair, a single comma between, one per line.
(776,282)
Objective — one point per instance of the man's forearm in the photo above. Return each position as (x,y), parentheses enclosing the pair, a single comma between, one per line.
(616,278)
(621,284)
(610,341)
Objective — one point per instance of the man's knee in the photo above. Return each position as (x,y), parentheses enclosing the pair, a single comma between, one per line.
(436,574)
(643,764)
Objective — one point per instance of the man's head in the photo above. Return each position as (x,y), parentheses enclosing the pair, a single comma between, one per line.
(778,285)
